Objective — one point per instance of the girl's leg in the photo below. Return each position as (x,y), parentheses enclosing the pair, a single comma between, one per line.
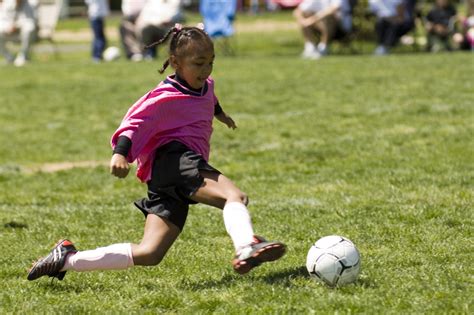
(219,191)
(158,237)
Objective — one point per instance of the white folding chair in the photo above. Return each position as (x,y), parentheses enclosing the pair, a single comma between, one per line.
(48,16)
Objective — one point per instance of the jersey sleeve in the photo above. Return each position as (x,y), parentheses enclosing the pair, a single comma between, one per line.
(123,146)
(139,125)
(217,109)
(217,106)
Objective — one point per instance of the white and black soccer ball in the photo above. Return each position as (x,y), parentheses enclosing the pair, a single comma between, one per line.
(112,53)
(333,260)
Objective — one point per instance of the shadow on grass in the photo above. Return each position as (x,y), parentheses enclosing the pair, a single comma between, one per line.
(15,225)
(225,281)
(283,277)
(366,283)
(56,286)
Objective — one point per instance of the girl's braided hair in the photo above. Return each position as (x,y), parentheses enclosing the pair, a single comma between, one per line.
(180,37)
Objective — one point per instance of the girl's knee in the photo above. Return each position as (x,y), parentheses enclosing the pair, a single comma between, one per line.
(148,256)
(152,259)
(245,199)
(239,196)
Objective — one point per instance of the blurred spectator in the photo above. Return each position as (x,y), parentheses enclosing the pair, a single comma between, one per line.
(329,19)
(131,43)
(97,10)
(465,39)
(439,25)
(254,6)
(218,18)
(155,20)
(395,18)
(17,19)
(271,5)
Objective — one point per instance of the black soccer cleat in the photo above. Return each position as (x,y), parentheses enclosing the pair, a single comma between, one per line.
(255,254)
(52,264)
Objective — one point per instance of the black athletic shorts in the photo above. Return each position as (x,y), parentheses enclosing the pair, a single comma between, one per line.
(175,177)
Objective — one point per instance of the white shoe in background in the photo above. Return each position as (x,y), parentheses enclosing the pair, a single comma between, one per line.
(323,49)
(381,51)
(136,57)
(20,60)
(311,54)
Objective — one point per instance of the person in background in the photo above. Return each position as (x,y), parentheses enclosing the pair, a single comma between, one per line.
(327,18)
(439,25)
(218,18)
(156,17)
(271,5)
(395,18)
(97,10)
(17,18)
(465,38)
(254,6)
(131,44)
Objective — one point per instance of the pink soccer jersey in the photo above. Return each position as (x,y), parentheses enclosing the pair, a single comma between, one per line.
(169,112)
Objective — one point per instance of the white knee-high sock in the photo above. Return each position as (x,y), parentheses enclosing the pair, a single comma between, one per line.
(238,225)
(113,257)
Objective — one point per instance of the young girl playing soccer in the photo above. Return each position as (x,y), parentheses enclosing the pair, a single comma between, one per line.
(168,132)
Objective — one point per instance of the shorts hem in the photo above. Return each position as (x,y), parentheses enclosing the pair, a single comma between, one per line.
(159,210)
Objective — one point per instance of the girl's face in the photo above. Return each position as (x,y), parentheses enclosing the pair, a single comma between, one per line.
(194,64)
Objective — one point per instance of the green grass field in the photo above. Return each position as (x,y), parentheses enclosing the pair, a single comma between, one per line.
(379,150)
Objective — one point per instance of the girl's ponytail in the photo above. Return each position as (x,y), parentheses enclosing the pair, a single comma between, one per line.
(172,32)
(165,65)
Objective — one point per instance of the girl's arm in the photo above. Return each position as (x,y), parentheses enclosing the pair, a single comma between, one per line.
(118,164)
(226,119)
(140,124)
(222,116)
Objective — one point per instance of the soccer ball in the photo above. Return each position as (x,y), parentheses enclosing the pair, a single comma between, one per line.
(333,260)
(111,53)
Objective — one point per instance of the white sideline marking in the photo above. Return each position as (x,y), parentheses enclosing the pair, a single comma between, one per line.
(62,166)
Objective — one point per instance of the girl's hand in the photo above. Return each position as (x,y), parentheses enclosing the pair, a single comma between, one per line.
(119,166)
(226,119)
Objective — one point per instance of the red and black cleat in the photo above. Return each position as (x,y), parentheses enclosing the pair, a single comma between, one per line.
(53,263)
(255,254)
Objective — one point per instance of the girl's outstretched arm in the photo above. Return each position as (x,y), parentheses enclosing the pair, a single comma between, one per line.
(119,166)
(226,119)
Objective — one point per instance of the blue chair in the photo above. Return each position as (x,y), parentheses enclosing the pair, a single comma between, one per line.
(218,18)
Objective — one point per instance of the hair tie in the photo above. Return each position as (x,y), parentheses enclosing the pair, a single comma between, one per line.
(178,27)
(200,26)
